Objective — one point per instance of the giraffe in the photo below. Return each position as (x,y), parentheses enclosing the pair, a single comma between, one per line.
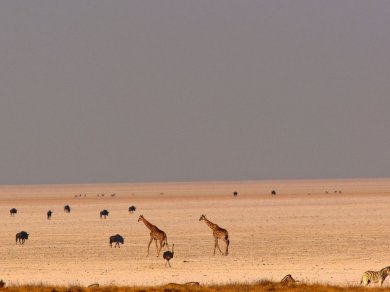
(218,233)
(155,234)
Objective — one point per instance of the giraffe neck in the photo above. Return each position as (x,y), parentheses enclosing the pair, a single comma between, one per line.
(148,224)
(210,224)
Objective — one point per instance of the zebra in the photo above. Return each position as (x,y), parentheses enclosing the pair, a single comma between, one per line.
(375,277)
(288,279)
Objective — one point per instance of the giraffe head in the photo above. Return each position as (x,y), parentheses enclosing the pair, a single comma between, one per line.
(202,217)
(140,218)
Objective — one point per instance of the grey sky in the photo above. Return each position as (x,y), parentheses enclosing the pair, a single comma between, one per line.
(139,91)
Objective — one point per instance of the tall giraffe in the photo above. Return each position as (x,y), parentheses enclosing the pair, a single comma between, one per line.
(218,233)
(155,234)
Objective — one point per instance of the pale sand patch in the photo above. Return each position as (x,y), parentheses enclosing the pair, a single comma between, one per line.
(315,236)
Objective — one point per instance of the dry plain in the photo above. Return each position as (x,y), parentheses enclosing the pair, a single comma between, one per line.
(326,231)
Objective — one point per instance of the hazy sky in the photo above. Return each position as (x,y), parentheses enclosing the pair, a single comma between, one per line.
(142,91)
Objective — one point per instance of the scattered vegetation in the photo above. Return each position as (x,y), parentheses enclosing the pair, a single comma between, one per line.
(256,287)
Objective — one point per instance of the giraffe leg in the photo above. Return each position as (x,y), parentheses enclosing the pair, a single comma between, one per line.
(227,247)
(150,242)
(215,245)
(159,250)
(218,247)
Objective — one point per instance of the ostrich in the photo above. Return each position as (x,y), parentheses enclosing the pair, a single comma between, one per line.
(21,237)
(13,211)
(168,255)
(117,239)
(273,193)
(104,214)
(235,194)
(49,214)
(66,209)
(132,209)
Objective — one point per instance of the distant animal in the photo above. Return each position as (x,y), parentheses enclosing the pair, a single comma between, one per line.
(168,255)
(117,239)
(218,233)
(288,279)
(155,234)
(2,283)
(21,237)
(132,209)
(49,213)
(95,285)
(375,277)
(113,195)
(104,214)
(235,194)
(13,211)
(273,192)
(67,209)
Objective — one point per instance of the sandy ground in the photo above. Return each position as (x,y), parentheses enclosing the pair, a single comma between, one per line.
(318,231)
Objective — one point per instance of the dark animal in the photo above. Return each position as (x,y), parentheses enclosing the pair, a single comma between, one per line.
(49,214)
(21,237)
(117,239)
(67,209)
(13,211)
(168,255)
(104,214)
(2,283)
(132,209)
(273,193)
(235,194)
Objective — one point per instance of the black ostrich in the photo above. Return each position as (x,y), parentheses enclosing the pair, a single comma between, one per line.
(13,211)
(21,237)
(66,209)
(132,209)
(49,213)
(104,214)
(117,239)
(273,192)
(235,194)
(168,255)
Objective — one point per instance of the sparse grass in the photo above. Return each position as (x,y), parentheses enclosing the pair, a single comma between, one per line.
(260,286)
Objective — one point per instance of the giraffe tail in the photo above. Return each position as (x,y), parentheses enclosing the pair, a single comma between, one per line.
(165,242)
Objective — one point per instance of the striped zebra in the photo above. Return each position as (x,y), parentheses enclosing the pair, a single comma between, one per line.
(375,277)
(288,279)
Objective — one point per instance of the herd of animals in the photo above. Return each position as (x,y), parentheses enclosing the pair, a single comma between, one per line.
(218,233)
(156,234)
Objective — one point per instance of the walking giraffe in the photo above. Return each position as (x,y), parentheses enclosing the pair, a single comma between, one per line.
(155,234)
(218,233)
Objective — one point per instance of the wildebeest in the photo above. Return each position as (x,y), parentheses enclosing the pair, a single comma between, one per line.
(13,211)
(132,209)
(104,214)
(49,214)
(21,237)
(117,239)
(67,209)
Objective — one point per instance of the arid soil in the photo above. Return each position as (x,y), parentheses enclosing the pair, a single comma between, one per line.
(318,231)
